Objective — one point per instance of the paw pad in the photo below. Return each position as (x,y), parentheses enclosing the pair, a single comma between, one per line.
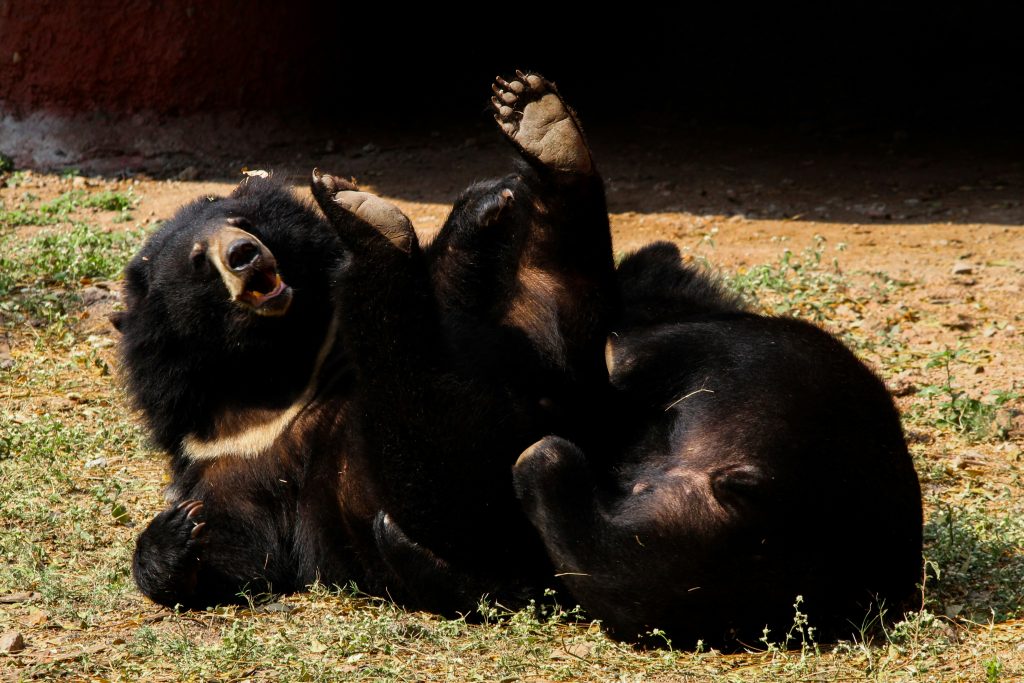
(530,112)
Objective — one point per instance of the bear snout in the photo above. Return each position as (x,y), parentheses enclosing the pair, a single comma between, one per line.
(249,271)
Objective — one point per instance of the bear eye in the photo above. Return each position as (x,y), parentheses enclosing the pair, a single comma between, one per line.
(240,222)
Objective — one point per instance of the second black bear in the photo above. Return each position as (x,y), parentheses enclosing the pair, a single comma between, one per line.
(757,460)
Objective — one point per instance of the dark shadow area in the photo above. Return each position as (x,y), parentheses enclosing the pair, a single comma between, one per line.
(840,111)
(727,170)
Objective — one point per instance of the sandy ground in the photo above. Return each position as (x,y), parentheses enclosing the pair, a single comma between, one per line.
(929,238)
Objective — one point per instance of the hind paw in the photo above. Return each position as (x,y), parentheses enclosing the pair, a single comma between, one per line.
(533,116)
(552,478)
(339,198)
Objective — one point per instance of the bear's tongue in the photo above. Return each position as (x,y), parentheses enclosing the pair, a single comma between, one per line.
(264,284)
(266,293)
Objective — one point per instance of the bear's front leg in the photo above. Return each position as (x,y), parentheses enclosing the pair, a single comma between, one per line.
(381,291)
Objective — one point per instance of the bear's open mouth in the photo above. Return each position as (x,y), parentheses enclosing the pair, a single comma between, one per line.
(266,293)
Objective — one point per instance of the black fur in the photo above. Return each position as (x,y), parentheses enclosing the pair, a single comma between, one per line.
(757,460)
(447,363)
(189,353)
(192,359)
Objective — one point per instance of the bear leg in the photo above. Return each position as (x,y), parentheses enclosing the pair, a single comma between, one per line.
(556,488)
(425,579)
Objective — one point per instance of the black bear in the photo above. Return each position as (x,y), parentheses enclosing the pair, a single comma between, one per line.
(341,404)
(755,459)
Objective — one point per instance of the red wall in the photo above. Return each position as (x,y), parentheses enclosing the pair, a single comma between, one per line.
(124,56)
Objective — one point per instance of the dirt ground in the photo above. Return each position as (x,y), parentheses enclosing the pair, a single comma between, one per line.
(942,218)
(928,237)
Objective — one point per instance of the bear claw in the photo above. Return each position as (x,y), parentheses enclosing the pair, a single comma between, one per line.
(190,507)
(188,511)
(331,183)
(168,552)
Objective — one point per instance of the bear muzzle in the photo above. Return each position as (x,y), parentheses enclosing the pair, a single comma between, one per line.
(249,271)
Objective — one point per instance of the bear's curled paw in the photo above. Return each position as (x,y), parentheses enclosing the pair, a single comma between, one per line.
(168,554)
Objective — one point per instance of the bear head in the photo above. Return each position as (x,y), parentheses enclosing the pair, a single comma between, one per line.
(227,310)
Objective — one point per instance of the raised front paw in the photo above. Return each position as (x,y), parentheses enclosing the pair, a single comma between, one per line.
(168,555)
(340,200)
(532,114)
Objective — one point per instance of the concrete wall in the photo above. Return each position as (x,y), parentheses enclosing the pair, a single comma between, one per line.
(113,84)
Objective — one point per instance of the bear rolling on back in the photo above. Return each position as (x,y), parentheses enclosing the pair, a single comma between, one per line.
(224,365)
(341,404)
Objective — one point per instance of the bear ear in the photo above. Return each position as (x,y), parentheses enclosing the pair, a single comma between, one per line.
(117,319)
(197,255)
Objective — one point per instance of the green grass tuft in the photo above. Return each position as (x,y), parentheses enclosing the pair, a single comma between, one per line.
(799,285)
(62,208)
(65,258)
(954,410)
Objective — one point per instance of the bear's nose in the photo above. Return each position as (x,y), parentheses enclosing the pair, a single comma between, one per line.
(242,254)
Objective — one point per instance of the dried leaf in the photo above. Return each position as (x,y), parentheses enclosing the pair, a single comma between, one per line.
(36,617)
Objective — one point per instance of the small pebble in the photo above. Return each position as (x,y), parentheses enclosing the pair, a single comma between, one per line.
(276,607)
(902,387)
(962,268)
(1004,420)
